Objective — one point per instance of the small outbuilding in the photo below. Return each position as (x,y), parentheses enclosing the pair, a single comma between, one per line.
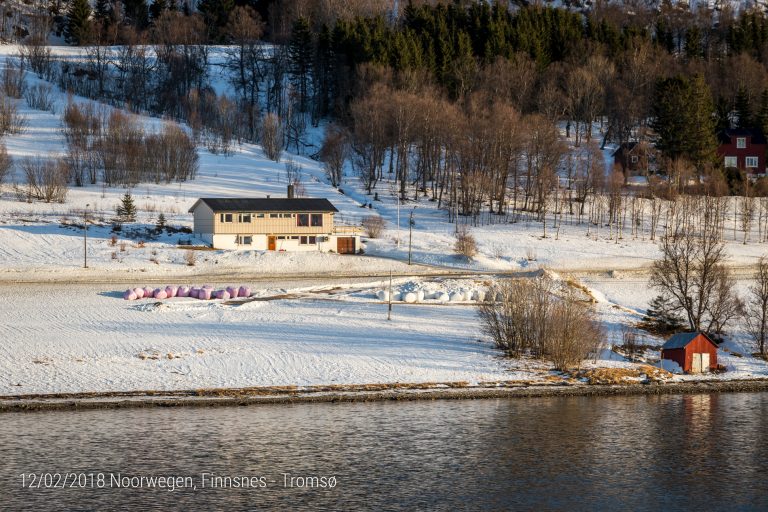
(695,352)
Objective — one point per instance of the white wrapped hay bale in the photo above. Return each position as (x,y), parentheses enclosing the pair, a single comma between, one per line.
(456,297)
(479,295)
(410,297)
(382,295)
(396,297)
(443,297)
(420,296)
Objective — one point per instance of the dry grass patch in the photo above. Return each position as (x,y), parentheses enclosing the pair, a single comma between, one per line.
(644,373)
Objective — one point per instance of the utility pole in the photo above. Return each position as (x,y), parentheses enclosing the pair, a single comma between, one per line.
(389,309)
(85,236)
(410,235)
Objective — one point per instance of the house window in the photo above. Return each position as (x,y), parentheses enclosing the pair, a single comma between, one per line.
(751,161)
(245,217)
(273,215)
(302,220)
(244,239)
(633,159)
(282,237)
(741,142)
(294,238)
(259,215)
(308,240)
(226,217)
(316,220)
(730,161)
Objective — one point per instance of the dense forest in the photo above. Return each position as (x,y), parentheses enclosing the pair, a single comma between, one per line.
(459,101)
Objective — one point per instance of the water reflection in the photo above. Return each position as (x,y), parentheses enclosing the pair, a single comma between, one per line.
(633,453)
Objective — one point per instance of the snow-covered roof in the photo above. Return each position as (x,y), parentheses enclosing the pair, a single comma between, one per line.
(266,204)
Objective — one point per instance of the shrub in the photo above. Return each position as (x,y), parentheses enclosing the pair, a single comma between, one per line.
(46,179)
(191,258)
(465,244)
(40,97)
(374,225)
(525,316)
(272,137)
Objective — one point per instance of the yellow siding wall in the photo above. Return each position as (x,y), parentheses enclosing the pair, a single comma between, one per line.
(265,225)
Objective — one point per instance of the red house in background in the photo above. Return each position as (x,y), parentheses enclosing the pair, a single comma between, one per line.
(695,352)
(743,149)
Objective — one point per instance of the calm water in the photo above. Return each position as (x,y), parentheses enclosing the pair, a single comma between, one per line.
(706,452)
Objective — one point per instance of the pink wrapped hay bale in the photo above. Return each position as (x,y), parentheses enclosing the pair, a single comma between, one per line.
(193,292)
(171,291)
(222,294)
(232,291)
(129,295)
(244,291)
(148,292)
(183,291)
(204,293)
(139,293)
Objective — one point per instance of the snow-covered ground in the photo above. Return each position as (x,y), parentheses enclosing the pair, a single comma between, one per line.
(85,337)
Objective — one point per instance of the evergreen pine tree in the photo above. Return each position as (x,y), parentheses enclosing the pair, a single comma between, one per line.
(126,210)
(103,10)
(661,318)
(161,222)
(693,43)
(137,12)
(216,15)
(300,51)
(743,109)
(158,7)
(683,118)
(761,119)
(78,30)
(722,114)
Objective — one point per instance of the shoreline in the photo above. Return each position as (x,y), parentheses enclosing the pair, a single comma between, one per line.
(361,393)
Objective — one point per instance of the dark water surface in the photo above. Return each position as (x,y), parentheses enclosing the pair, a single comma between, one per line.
(691,452)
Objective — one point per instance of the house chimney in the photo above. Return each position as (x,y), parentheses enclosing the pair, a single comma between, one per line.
(290,191)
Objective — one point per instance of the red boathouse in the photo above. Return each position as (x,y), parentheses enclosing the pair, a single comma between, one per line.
(695,352)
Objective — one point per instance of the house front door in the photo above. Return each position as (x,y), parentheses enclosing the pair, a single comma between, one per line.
(696,367)
(705,362)
(271,243)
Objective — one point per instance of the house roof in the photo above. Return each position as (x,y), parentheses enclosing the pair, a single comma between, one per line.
(681,339)
(625,146)
(724,136)
(266,204)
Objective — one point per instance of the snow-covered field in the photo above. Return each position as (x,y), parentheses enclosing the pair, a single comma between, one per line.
(85,337)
